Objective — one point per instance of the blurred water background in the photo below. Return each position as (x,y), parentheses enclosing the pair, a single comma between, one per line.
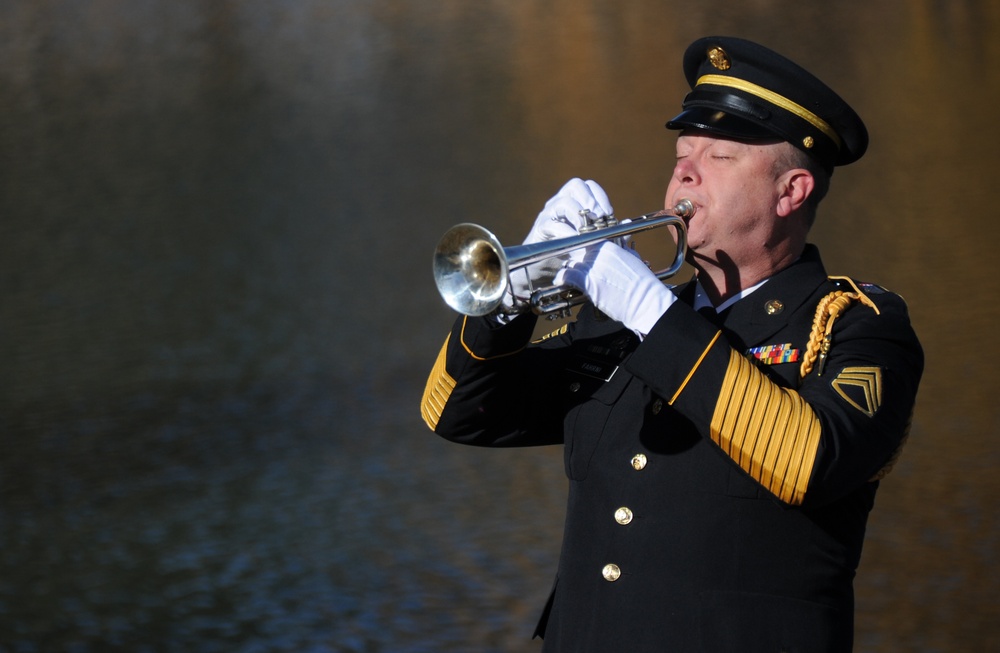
(217,312)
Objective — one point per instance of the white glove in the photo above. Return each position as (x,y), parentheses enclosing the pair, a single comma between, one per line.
(564,214)
(618,283)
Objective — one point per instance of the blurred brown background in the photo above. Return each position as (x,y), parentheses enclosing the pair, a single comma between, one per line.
(216,225)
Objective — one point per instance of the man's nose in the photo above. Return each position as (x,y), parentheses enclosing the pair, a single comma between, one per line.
(686,172)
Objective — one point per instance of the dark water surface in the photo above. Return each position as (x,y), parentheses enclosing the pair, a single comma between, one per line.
(216,224)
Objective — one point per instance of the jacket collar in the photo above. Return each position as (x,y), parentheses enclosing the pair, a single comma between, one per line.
(765,311)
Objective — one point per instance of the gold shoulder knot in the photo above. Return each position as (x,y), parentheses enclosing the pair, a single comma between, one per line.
(827,311)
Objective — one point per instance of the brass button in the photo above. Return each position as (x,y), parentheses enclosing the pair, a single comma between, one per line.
(774,306)
(611,573)
(657,406)
(574,387)
(623,515)
(638,461)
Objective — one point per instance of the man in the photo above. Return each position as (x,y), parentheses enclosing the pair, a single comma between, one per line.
(721,468)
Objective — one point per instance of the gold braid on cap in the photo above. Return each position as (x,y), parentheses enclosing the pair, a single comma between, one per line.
(775,99)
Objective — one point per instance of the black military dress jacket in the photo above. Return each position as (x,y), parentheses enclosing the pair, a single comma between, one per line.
(717,498)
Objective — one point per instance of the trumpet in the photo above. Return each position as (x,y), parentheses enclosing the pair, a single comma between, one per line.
(472,269)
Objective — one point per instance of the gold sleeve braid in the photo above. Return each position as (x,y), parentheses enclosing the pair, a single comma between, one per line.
(771,432)
(882,473)
(438,389)
(440,384)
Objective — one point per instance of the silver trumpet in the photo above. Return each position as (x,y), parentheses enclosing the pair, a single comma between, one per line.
(472,270)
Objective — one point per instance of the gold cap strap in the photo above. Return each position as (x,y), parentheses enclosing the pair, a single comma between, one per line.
(775,99)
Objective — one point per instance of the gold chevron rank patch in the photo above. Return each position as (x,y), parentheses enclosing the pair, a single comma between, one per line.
(861,387)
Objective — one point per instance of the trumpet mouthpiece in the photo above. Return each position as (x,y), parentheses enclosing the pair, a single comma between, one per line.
(684,208)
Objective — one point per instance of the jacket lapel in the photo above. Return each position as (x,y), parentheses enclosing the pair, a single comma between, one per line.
(766,311)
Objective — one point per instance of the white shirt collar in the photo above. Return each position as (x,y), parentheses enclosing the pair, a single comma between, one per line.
(701,298)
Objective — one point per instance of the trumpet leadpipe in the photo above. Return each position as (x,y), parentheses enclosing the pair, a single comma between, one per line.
(472,269)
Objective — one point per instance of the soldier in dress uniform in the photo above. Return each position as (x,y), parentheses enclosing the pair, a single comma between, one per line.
(722,467)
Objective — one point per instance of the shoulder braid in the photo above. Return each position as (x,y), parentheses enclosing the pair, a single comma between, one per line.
(820,340)
(827,311)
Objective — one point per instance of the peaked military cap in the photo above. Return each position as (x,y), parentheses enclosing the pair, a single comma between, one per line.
(743,90)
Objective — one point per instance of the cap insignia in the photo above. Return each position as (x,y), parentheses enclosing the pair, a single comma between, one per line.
(719,59)
(808,142)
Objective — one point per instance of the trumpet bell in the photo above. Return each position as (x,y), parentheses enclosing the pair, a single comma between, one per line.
(470,269)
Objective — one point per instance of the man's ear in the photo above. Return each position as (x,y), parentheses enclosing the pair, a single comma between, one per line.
(794,188)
